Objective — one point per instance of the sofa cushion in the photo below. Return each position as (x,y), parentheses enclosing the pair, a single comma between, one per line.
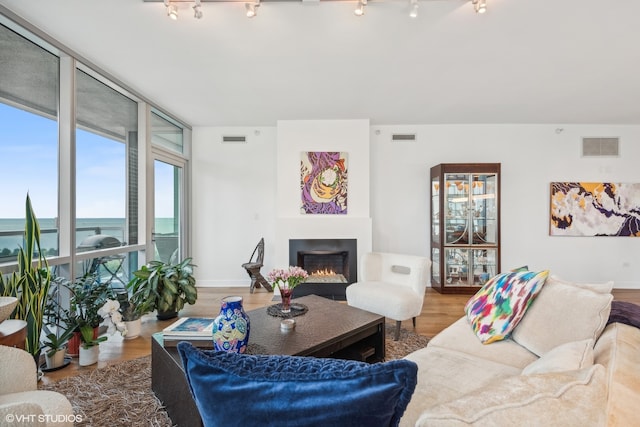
(571,398)
(563,312)
(601,288)
(495,310)
(238,389)
(566,357)
(445,374)
(460,337)
(618,349)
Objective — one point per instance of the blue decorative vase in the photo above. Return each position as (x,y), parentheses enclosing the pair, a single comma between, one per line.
(231,327)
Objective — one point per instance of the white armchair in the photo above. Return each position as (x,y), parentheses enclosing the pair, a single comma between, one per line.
(391,285)
(20,397)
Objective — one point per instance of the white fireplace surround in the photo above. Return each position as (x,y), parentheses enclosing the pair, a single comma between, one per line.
(321,228)
(298,136)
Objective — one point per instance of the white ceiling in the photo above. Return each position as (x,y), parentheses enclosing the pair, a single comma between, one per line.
(524,61)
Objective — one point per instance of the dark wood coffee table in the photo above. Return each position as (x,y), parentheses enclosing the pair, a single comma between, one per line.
(328,329)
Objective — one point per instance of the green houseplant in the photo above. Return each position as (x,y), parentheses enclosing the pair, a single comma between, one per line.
(87,295)
(30,283)
(164,287)
(55,345)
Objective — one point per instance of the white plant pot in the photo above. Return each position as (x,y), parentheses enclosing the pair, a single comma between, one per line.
(134,327)
(89,356)
(56,360)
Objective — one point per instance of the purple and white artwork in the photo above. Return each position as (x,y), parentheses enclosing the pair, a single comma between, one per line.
(595,209)
(323,182)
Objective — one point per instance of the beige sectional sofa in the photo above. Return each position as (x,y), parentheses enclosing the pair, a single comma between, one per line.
(561,366)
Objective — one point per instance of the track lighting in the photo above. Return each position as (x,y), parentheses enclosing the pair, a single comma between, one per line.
(413,12)
(251,6)
(480,6)
(197,10)
(172,10)
(252,9)
(360,8)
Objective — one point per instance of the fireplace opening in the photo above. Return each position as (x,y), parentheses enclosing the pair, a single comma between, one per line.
(331,264)
(325,266)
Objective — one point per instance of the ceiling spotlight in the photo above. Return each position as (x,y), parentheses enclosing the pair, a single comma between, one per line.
(414,9)
(480,6)
(252,9)
(360,8)
(172,10)
(197,10)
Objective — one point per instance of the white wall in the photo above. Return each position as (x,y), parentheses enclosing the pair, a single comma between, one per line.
(235,192)
(532,156)
(298,136)
(234,202)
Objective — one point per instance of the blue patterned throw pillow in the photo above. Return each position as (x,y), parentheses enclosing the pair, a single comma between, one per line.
(232,389)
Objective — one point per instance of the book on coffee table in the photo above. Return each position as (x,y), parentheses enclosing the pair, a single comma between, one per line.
(201,342)
(189,328)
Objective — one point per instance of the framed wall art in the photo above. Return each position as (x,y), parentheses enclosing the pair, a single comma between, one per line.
(595,209)
(323,182)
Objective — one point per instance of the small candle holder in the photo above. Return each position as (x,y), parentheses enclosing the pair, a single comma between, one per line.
(287,325)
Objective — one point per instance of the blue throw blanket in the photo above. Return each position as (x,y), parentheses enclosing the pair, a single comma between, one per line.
(625,312)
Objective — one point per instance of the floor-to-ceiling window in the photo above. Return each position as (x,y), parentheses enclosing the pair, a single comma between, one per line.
(106,121)
(28,141)
(76,142)
(167,140)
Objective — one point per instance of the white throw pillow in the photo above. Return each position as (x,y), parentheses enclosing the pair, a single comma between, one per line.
(566,357)
(563,312)
(601,288)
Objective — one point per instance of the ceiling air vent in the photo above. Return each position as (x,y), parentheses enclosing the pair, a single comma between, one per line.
(226,139)
(403,136)
(598,147)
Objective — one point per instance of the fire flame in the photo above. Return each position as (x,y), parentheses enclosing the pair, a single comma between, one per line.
(324,272)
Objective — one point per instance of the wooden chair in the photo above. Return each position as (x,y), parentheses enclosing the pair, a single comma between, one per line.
(253,268)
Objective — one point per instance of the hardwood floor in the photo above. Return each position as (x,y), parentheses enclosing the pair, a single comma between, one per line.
(438,312)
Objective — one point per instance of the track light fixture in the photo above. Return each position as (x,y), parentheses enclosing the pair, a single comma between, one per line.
(480,6)
(413,12)
(251,6)
(252,9)
(360,8)
(197,10)
(172,9)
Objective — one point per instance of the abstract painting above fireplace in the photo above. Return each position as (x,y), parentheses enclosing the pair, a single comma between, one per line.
(332,265)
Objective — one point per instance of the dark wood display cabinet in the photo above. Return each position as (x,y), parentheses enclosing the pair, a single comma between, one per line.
(465,226)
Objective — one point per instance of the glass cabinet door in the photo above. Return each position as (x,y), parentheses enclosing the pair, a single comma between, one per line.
(465,233)
(456,205)
(484,205)
(435,210)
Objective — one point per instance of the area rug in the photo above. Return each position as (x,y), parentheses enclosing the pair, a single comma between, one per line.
(120,394)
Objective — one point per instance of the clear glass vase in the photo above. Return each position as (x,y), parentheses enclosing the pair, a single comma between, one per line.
(286,293)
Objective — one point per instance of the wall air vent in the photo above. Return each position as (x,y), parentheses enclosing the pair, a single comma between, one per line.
(226,139)
(600,147)
(403,136)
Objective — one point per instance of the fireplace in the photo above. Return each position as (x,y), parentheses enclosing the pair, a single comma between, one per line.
(331,264)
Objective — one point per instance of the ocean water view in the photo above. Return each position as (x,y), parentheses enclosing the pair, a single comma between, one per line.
(12,230)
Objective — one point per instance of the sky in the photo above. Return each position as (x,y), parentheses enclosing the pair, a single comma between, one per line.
(29,163)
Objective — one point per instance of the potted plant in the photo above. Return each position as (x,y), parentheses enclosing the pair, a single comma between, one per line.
(55,347)
(30,283)
(164,287)
(88,294)
(89,347)
(123,315)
